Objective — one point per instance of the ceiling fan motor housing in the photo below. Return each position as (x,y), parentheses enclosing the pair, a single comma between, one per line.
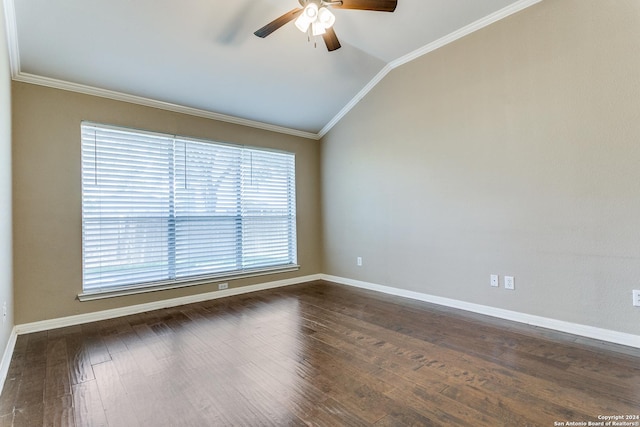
(320,3)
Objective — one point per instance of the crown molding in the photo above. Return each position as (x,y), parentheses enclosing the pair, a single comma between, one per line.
(148,102)
(18,75)
(443,41)
(355,100)
(465,31)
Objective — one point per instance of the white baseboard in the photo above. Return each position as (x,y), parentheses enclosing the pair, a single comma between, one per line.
(544,322)
(558,325)
(6,357)
(79,319)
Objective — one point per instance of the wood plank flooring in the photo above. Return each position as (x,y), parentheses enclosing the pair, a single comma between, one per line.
(315,354)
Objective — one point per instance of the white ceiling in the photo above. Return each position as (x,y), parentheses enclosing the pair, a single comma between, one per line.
(202,54)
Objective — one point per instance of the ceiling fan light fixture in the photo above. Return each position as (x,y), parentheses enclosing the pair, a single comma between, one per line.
(314,17)
(317,28)
(326,18)
(308,16)
(302,23)
(311,11)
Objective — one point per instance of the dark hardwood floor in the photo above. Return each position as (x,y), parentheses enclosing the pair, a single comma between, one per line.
(315,354)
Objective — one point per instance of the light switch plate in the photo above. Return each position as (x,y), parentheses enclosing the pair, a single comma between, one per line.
(494,280)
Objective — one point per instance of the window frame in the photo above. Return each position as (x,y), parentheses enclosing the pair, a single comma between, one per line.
(193,280)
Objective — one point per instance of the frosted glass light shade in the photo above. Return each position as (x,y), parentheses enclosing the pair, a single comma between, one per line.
(311,11)
(326,18)
(302,23)
(319,19)
(317,28)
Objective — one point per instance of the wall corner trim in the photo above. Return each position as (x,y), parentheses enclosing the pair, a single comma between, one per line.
(12,36)
(529,319)
(6,357)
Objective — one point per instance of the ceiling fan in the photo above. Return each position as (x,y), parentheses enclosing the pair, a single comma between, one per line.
(315,18)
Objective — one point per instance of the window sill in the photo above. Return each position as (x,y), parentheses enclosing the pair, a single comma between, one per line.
(177,284)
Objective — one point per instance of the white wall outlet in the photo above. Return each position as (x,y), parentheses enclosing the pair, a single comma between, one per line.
(359,261)
(4,312)
(636,298)
(222,286)
(509,282)
(494,280)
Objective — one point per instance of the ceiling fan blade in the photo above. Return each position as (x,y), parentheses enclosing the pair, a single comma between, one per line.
(278,22)
(377,5)
(331,40)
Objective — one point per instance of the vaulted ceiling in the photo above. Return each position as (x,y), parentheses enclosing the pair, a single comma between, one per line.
(201,57)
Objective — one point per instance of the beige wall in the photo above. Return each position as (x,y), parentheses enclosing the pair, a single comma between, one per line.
(6,275)
(512,151)
(515,150)
(47,194)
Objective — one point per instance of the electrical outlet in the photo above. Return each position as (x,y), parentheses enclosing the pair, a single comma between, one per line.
(495,280)
(4,312)
(222,286)
(636,298)
(509,282)
(359,261)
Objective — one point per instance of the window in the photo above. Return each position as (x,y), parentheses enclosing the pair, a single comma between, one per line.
(159,210)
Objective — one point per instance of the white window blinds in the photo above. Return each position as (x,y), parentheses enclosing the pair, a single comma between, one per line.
(160,209)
